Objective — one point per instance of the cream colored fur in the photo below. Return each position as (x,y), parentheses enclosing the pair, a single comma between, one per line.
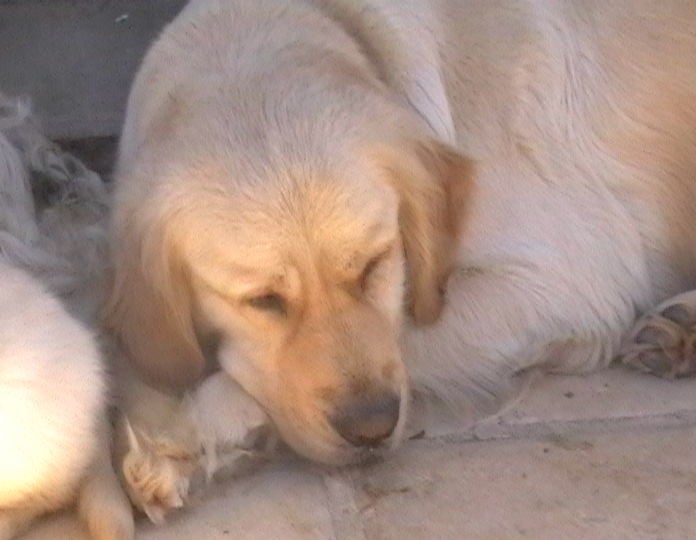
(54,434)
(534,160)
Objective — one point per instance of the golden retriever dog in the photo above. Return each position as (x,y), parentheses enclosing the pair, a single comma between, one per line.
(351,206)
(54,435)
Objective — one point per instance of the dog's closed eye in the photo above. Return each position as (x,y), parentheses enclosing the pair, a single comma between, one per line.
(370,268)
(368,271)
(269,302)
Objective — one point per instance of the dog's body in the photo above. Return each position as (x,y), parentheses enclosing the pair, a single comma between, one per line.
(276,153)
(54,433)
(51,394)
(580,116)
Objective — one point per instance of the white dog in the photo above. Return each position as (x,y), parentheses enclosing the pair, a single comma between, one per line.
(54,433)
(343,200)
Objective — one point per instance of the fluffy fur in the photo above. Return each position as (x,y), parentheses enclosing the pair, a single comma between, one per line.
(54,435)
(515,177)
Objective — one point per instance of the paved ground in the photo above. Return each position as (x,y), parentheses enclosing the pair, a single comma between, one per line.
(609,456)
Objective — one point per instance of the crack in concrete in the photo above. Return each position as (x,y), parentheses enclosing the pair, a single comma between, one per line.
(345,516)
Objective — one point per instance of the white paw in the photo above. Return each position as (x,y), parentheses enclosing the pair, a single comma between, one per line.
(231,424)
(663,341)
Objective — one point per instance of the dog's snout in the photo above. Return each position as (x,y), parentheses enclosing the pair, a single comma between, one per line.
(367,422)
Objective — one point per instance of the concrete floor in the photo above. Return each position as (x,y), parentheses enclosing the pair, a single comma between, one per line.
(608,456)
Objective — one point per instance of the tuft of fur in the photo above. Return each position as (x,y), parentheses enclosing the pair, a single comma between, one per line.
(53,212)
(54,434)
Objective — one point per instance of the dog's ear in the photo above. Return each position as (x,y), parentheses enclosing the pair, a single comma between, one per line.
(433,182)
(150,308)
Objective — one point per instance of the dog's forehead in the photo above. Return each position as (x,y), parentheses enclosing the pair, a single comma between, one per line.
(265,228)
(344,202)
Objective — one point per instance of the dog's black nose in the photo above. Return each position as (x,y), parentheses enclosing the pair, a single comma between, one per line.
(367,422)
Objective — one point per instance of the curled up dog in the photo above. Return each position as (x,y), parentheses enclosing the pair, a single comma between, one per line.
(352,206)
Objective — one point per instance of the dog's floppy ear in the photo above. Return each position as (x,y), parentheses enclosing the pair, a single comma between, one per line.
(433,182)
(150,308)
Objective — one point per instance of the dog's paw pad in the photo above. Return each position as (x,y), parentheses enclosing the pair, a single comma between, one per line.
(156,484)
(663,342)
(157,480)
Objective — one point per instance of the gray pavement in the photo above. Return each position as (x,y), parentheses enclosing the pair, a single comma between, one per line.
(606,456)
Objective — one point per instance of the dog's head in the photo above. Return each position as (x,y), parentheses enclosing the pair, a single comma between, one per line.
(290,257)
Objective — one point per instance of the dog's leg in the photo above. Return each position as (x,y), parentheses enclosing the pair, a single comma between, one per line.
(467,359)
(496,327)
(102,504)
(230,422)
(165,440)
(663,341)
(158,447)
(13,521)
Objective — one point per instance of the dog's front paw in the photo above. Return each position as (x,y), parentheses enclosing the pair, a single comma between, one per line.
(231,424)
(164,442)
(663,342)
(157,472)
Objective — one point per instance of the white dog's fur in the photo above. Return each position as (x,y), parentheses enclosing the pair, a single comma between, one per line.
(54,434)
(579,115)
